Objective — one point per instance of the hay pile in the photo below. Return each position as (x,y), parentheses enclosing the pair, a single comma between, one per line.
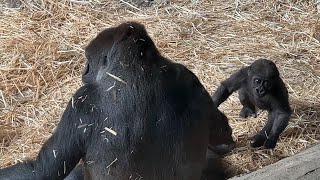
(41,59)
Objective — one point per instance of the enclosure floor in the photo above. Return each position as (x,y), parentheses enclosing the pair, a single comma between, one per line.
(42,57)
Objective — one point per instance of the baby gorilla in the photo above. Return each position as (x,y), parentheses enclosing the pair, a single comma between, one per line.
(138,115)
(259,86)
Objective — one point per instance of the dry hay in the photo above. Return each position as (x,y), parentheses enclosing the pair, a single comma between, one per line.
(41,52)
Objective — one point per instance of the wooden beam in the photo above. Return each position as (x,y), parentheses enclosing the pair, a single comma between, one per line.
(302,166)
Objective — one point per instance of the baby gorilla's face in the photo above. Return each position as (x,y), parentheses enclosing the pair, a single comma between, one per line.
(261,85)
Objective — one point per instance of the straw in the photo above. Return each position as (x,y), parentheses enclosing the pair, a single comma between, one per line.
(42,57)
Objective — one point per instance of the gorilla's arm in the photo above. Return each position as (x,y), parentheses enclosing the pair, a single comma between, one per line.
(20,171)
(25,171)
(280,123)
(230,85)
(278,118)
(59,154)
(63,150)
(279,115)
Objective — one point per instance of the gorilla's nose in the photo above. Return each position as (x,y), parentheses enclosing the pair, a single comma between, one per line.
(260,91)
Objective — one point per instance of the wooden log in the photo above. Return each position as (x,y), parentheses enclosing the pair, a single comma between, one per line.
(302,166)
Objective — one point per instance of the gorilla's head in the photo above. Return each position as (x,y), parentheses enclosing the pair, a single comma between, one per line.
(263,74)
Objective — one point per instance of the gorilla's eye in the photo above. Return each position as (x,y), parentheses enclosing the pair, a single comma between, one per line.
(267,83)
(257,81)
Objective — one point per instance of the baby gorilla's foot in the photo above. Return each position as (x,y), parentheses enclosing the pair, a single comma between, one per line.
(246,112)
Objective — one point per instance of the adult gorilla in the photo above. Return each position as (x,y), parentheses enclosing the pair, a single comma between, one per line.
(139,115)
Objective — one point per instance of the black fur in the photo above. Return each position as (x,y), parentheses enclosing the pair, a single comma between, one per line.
(139,115)
(20,171)
(259,86)
(220,141)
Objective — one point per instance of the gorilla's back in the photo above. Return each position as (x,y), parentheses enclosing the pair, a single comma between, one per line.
(154,126)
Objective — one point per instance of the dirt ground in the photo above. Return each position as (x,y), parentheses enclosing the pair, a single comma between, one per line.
(42,56)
